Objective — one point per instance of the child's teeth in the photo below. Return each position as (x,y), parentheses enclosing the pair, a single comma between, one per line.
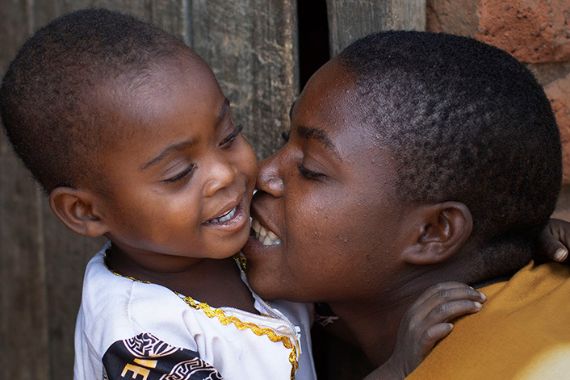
(224,218)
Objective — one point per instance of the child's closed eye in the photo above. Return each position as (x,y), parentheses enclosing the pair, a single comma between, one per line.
(229,139)
(180,175)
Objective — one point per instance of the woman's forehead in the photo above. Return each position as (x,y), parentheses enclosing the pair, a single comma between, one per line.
(330,97)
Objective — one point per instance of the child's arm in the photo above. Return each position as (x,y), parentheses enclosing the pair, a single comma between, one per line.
(146,356)
(426,323)
(554,240)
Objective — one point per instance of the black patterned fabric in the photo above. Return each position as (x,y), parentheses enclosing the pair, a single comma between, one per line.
(145,357)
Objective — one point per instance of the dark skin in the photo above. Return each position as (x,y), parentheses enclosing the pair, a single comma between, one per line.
(427,322)
(324,195)
(555,240)
(177,165)
(178,155)
(329,188)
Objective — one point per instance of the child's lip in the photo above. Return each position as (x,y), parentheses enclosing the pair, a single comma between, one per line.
(235,203)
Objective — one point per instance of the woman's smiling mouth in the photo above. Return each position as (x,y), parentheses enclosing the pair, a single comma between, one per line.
(264,235)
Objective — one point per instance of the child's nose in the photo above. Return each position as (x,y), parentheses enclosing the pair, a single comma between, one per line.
(220,176)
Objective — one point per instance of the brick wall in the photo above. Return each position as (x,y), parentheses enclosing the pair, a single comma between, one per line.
(536,32)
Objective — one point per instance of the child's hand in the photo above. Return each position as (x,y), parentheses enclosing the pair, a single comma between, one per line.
(554,240)
(426,323)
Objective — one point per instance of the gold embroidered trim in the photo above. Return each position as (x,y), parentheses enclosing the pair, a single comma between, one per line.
(225,320)
(241,262)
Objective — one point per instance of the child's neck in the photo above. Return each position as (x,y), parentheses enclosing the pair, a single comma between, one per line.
(215,282)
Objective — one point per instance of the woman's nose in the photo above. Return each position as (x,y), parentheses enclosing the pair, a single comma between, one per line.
(221,175)
(269,179)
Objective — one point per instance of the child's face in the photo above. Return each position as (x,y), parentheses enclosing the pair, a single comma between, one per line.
(179,177)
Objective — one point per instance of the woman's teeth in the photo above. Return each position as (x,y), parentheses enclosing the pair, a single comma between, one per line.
(224,218)
(262,234)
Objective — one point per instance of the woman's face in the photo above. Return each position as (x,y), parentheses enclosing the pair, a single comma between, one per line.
(328,197)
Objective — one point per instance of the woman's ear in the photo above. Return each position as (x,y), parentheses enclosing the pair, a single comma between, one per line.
(76,209)
(443,230)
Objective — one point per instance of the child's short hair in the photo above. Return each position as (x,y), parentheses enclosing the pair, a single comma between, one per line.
(46,99)
(465,121)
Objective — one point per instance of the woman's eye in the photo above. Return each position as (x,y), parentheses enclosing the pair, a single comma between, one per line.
(179,176)
(309,174)
(229,139)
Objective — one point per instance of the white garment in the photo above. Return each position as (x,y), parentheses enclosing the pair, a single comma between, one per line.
(128,329)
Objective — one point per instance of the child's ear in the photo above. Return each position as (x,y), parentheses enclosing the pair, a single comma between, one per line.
(443,230)
(76,209)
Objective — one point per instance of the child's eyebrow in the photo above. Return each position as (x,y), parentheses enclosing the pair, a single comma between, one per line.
(224,110)
(166,151)
(320,136)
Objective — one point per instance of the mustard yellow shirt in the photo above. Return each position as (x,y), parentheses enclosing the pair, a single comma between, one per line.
(522,332)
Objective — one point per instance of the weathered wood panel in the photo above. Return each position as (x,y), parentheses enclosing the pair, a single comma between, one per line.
(352,19)
(23,317)
(168,14)
(252,47)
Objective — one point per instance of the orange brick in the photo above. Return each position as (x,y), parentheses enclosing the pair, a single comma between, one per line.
(532,31)
(559,94)
(452,16)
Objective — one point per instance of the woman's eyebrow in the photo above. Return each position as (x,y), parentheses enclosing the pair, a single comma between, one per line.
(320,136)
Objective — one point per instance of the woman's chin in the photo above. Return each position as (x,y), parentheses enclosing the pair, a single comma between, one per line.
(263,269)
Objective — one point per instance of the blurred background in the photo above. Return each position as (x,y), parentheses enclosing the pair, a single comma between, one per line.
(263,52)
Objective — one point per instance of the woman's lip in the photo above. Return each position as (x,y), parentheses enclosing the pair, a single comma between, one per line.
(254,247)
(263,234)
(255,215)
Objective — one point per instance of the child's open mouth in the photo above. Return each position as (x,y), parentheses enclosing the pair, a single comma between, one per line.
(231,216)
(224,218)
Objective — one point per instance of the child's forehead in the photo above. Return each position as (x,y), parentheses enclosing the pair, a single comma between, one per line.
(160,74)
(149,92)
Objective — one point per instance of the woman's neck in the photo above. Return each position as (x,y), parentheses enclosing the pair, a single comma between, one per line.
(373,325)
(375,322)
